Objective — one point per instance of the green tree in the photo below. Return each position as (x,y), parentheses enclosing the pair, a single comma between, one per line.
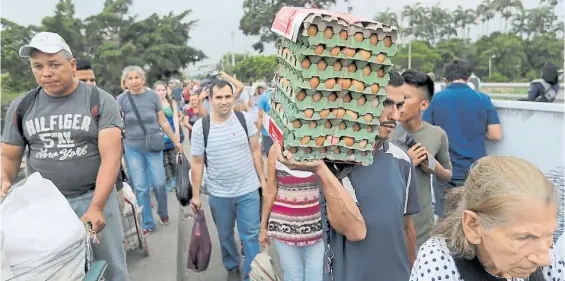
(65,24)
(258,17)
(424,57)
(256,68)
(18,76)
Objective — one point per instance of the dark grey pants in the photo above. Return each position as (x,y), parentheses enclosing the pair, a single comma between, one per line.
(440,190)
(170,163)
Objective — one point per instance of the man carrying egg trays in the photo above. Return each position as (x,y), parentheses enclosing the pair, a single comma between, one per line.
(330,88)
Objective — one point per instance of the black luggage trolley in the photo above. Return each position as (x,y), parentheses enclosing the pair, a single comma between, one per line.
(133,233)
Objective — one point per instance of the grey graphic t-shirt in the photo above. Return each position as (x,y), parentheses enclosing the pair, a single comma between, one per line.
(62,137)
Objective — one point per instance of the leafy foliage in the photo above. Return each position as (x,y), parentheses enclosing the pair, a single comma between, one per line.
(110,39)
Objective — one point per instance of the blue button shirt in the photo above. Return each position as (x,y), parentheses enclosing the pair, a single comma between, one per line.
(265,104)
(464,115)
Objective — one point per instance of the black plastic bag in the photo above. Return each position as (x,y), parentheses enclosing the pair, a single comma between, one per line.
(184,186)
(200,248)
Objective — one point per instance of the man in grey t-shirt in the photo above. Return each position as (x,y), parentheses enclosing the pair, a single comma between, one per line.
(368,230)
(76,146)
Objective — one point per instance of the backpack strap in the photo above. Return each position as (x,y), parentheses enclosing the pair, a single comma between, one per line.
(95,104)
(205,132)
(242,121)
(25,104)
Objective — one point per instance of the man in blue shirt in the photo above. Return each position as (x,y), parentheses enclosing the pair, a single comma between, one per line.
(264,105)
(468,117)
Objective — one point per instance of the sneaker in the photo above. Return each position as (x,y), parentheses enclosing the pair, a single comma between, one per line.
(164,220)
(234,274)
(146,232)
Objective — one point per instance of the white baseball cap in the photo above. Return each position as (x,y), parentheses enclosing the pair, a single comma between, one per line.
(46,42)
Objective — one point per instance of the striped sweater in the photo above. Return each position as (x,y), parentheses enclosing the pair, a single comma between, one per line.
(295,217)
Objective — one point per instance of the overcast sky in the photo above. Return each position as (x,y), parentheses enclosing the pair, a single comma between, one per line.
(217,18)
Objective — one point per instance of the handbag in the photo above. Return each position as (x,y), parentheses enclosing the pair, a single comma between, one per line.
(263,268)
(154,140)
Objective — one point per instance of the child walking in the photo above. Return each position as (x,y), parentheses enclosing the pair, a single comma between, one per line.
(169,153)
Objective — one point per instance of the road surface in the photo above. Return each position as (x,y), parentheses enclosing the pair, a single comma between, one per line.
(163,245)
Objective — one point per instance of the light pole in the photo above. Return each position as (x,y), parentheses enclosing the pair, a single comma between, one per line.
(490,65)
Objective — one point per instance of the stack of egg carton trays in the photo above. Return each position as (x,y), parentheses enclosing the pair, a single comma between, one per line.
(332,112)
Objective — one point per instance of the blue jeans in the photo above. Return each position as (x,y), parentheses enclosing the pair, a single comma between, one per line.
(146,168)
(225,212)
(111,247)
(304,263)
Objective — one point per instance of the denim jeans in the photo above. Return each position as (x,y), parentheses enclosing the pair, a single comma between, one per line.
(301,263)
(111,247)
(225,212)
(145,168)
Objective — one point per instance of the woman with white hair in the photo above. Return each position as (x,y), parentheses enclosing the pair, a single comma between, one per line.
(500,228)
(144,122)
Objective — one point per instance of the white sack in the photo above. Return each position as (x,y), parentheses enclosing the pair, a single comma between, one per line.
(44,238)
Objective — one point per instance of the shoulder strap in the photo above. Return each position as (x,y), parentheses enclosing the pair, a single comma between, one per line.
(205,132)
(134,107)
(95,104)
(242,121)
(25,104)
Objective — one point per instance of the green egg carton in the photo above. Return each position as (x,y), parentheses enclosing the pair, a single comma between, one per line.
(297,142)
(292,110)
(330,72)
(337,41)
(320,130)
(302,154)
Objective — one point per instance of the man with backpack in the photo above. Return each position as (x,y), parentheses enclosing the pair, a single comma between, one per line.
(73,133)
(226,142)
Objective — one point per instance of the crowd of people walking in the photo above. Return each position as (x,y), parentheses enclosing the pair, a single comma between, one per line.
(496,215)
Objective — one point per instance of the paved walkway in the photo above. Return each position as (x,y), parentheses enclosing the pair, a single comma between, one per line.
(171,241)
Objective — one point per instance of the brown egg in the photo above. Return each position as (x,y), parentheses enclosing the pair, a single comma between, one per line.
(305,140)
(363,143)
(340,112)
(352,114)
(292,150)
(313,124)
(388,41)
(381,58)
(322,65)
(319,49)
(337,66)
(332,97)
(337,150)
(285,51)
(324,113)
(373,39)
(334,112)
(356,127)
(359,37)
(345,83)
(306,63)
(375,88)
(364,153)
(381,73)
(370,129)
(330,83)
(328,124)
(361,101)
(347,98)
(342,126)
(367,70)
(349,141)
(352,68)
(307,150)
(301,95)
(297,124)
(312,30)
(368,117)
(360,86)
(335,51)
(343,35)
(308,113)
(317,96)
(320,140)
(323,150)
(349,52)
(350,152)
(329,32)
(375,103)
(314,82)
(365,55)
